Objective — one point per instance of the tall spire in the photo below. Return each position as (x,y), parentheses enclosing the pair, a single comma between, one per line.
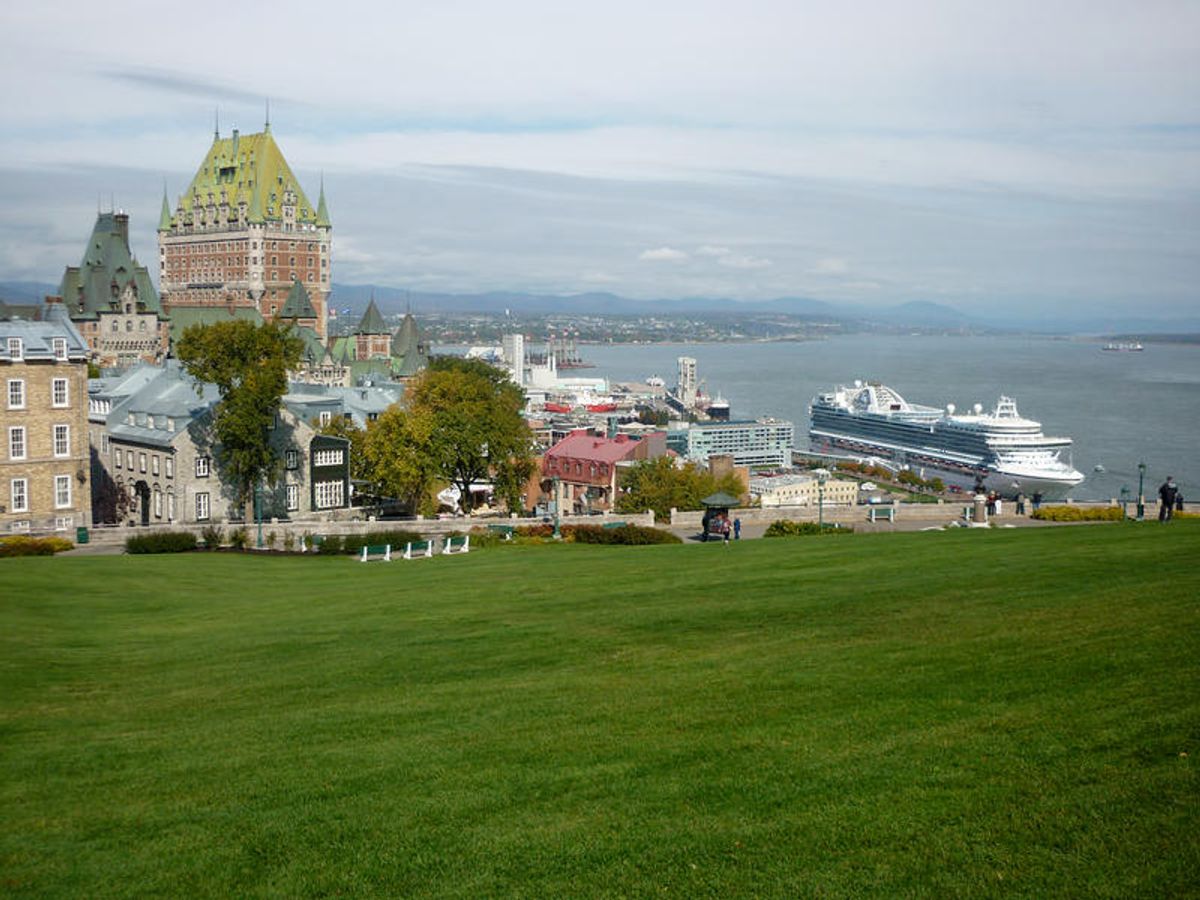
(216,124)
(322,209)
(164,218)
(267,121)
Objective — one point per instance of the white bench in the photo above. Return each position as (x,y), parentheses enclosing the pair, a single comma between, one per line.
(457,544)
(418,549)
(376,551)
(874,514)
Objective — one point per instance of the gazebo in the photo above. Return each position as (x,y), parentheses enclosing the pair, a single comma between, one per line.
(716,506)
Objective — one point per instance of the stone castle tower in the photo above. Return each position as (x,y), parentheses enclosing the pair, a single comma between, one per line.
(244,234)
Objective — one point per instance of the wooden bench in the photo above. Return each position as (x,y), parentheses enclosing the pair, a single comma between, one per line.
(457,544)
(417,549)
(875,513)
(505,531)
(376,551)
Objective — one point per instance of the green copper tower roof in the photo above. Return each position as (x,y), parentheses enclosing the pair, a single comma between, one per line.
(164,217)
(371,322)
(298,304)
(251,170)
(322,209)
(107,269)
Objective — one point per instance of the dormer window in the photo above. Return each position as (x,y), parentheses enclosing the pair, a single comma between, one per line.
(60,348)
(16,349)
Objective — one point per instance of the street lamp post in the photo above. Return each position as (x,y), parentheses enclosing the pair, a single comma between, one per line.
(1125,501)
(258,512)
(557,507)
(822,476)
(1141,506)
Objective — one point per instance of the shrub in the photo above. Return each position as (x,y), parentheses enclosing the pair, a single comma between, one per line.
(626,535)
(788,528)
(23,545)
(238,539)
(482,537)
(161,542)
(330,545)
(1071,513)
(535,531)
(289,541)
(271,538)
(212,536)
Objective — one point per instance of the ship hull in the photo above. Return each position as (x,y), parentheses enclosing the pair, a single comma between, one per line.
(965,477)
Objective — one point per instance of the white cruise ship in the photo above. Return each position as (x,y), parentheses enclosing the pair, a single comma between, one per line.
(1000,449)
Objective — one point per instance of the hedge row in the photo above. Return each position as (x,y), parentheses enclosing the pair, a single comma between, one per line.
(1071,513)
(23,545)
(627,535)
(161,542)
(788,528)
(352,544)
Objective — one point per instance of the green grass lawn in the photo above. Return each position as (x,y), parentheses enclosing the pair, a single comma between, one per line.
(1002,712)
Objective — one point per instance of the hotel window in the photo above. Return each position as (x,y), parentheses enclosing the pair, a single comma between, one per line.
(154,464)
(19,494)
(142,462)
(201,507)
(16,442)
(328,458)
(16,351)
(170,467)
(329,494)
(116,457)
(16,393)
(62,491)
(293,497)
(60,348)
(170,505)
(157,502)
(59,392)
(202,467)
(62,440)
(293,459)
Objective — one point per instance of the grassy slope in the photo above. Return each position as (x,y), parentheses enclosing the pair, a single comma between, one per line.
(960,713)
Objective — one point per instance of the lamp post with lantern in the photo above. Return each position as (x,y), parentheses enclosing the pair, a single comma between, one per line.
(1141,506)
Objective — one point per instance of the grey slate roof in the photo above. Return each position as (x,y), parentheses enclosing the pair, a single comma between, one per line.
(160,398)
(37,338)
(298,304)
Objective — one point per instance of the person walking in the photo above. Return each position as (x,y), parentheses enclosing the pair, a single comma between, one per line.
(1166,495)
(725,530)
(737,529)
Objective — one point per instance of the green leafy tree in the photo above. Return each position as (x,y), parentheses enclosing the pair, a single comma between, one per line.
(396,459)
(659,484)
(465,417)
(248,364)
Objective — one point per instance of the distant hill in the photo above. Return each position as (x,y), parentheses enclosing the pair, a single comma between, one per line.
(23,292)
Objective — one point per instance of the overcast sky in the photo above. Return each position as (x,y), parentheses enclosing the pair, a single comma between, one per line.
(1024,155)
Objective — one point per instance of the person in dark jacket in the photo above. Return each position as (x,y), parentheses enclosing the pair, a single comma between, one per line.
(1166,495)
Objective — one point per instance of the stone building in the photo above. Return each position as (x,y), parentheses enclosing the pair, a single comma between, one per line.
(244,232)
(44,481)
(152,434)
(111,300)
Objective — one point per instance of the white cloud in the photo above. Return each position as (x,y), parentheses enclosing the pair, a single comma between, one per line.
(709,250)
(738,261)
(663,254)
(830,265)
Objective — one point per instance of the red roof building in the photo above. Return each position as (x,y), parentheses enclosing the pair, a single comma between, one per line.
(585,466)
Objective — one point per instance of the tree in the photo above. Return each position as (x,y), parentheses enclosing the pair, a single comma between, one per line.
(248,364)
(464,417)
(396,459)
(658,484)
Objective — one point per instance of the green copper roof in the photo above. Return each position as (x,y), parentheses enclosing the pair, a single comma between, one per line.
(408,356)
(314,351)
(248,169)
(322,209)
(164,217)
(298,305)
(182,317)
(104,273)
(371,322)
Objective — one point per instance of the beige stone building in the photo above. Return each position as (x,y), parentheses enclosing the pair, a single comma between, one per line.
(243,233)
(803,490)
(44,466)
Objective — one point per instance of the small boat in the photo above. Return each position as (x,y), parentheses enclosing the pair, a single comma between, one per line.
(1123,347)
(601,407)
(557,408)
(1098,468)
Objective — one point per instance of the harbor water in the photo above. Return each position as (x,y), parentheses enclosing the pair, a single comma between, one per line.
(1120,408)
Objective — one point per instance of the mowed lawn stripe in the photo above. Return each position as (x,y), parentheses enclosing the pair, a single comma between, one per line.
(959,713)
